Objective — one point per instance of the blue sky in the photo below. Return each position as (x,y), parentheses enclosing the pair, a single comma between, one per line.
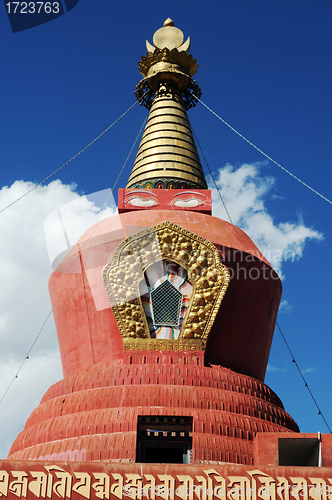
(265,68)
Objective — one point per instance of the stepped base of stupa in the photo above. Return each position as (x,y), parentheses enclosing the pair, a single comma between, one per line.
(93,415)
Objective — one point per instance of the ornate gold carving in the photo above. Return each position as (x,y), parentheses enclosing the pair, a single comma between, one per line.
(168,61)
(164,345)
(177,61)
(206,273)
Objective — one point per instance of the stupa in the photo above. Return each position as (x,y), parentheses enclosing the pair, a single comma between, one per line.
(165,317)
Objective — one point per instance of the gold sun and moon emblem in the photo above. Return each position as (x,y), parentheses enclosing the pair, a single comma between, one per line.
(165,285)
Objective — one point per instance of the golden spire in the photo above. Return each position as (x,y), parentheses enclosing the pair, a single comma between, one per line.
(167,156)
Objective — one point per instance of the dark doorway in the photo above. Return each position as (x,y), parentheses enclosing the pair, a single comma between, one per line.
(299,451)
(164,439)
(162,454)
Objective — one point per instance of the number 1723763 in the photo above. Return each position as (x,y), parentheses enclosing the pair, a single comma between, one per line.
(33,7)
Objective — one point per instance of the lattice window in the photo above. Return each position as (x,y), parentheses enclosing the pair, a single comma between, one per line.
(166,301)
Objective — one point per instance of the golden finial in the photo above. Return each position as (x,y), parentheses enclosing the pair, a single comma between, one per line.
(169,22)
(169,37)
(168,59)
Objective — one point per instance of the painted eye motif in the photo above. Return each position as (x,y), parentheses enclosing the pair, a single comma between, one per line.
(190,202)
(187,199)
(142,202)
(142,198)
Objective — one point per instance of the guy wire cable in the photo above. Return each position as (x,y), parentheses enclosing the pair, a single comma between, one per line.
(71,159)
(49,314)
(262,152)
(27,356)
(277,324)
(218,190)
(304,380)
(112,190)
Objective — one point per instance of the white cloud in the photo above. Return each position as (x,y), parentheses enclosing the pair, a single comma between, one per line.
(24,300)
(243,191)
(272,369)
(308,370)
(284,306)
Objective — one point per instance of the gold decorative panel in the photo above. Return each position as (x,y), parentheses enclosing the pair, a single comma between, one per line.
(198,256)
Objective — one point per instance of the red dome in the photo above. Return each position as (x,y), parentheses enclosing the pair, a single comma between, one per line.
(242,333)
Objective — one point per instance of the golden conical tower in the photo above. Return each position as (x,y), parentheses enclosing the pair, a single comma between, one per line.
(167,157)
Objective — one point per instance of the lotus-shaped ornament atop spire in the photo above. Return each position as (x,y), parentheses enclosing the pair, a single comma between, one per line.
(167,60)
(169,52)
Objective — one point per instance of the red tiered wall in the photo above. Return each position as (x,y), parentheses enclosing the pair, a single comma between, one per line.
(93,415)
